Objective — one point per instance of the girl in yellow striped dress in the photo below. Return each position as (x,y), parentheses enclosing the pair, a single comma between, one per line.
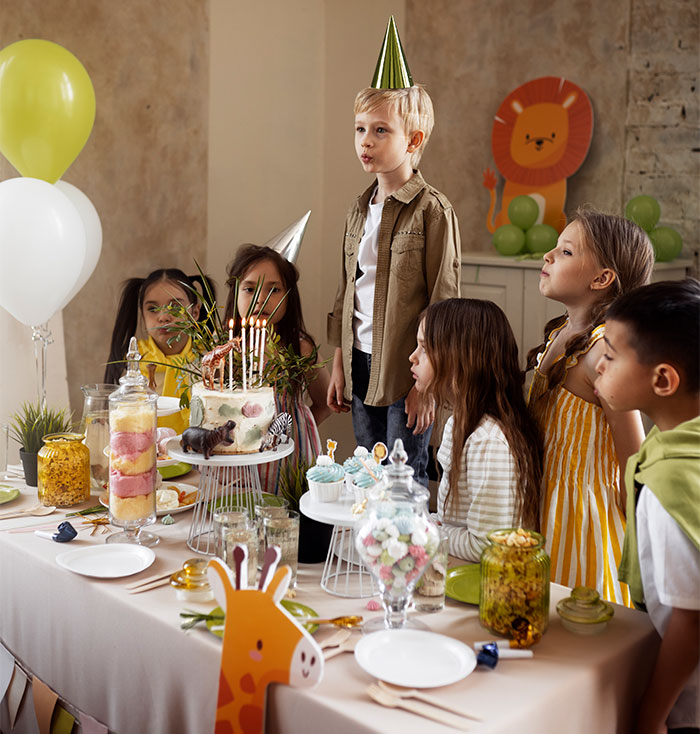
(597,258)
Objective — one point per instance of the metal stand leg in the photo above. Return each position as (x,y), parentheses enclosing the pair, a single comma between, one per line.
(344,574)
(220,487)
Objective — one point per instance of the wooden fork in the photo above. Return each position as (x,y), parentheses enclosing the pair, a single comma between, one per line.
(420,696)
(422,709)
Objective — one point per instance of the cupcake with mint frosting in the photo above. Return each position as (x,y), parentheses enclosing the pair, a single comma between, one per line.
(353,464)
(325,479)
(362,473)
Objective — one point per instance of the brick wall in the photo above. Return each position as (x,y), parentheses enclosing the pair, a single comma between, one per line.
(662,156)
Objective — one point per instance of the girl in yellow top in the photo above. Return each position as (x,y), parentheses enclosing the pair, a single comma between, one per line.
(149,298)
(597,258)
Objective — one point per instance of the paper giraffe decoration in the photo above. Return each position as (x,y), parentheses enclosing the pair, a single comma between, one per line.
(263,643)
(540,136)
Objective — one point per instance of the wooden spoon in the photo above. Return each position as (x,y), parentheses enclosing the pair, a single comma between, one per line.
(37,510)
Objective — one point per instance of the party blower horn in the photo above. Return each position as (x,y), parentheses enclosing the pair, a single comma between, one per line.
(392,71)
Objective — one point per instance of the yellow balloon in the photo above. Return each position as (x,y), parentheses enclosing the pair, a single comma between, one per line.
(47,108)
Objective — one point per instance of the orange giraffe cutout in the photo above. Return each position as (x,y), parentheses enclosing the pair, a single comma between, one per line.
(263,643)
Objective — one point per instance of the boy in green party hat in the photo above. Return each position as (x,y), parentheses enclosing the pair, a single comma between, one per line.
(401,253)
(652,363)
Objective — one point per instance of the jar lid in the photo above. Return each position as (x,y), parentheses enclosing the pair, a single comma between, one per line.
(192,576)
(584,606)
(67,436)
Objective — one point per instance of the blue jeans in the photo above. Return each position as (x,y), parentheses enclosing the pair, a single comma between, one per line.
(371,424)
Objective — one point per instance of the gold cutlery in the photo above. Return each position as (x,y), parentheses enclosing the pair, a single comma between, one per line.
(419,695)
(349,621)
(415,707)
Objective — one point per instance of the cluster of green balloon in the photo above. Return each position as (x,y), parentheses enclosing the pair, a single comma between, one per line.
(522,234)
(646,212)
(50,233)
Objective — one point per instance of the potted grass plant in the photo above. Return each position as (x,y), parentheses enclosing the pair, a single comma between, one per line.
(314,536)
(28,427)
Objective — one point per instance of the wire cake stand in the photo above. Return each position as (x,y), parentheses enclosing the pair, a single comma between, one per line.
(344,574)
(225,480)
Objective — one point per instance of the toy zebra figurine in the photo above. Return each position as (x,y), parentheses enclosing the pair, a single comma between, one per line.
(280,426)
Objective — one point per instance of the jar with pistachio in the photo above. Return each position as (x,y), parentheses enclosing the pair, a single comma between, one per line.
(63,468)
(514,599)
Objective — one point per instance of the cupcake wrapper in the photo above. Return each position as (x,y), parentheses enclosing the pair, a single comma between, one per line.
(325,491)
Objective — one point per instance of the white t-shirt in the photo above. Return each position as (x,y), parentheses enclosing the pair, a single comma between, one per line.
(364,283)
(670,566)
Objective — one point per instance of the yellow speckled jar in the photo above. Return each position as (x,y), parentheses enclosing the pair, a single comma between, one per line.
(64,470)
(514,599)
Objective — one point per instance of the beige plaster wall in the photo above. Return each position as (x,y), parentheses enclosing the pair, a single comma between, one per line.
(144,166)
(283,80)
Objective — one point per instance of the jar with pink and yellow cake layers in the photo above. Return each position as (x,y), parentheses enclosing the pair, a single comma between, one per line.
(132,455)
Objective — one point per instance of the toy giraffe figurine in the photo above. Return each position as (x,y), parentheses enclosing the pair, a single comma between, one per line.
(263,643)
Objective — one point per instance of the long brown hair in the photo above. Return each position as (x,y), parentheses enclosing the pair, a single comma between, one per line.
(616,243)
(291,326)
(474,356)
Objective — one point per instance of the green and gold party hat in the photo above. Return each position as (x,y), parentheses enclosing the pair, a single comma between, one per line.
(392,71)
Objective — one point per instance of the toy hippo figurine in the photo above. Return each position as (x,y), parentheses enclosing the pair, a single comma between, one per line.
(280,426)
(203,441)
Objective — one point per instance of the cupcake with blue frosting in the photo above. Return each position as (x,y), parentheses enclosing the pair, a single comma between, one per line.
(325,479)
(364,471)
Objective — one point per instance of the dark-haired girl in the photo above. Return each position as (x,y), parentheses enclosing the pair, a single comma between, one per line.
(490,454)
(148,299)
(278,276)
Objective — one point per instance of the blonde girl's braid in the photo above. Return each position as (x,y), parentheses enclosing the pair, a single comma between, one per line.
(616,243)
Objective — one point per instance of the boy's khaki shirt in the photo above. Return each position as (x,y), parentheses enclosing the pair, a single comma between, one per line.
(418,263)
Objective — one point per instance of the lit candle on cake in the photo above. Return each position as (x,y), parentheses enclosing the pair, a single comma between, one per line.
(262,350)
(257,344)
(251,337)
(244,359)
(230,355)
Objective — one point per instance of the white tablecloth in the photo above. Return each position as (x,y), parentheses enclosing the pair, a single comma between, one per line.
(124,659)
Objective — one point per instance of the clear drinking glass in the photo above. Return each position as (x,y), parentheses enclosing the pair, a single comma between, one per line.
(429,595)
(242,535)
(282,529)
(95,426)
(228,518)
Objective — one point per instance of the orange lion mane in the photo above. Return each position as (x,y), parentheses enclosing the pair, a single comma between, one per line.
(549,108)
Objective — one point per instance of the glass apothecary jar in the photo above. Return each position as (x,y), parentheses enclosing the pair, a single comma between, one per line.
(514,599)
(396,539)
(132,455)
(63,468)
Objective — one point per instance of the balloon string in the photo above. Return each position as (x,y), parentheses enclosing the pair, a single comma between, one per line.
(42,334)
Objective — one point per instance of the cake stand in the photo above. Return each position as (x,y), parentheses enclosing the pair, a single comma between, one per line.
(225,480)
(344,574)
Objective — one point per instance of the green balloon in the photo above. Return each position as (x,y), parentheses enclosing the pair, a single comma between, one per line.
(644,210)
(523,212)
(541,238)
(667,243)
(509,239)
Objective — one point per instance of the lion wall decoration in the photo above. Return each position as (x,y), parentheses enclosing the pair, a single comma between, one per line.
(541,135)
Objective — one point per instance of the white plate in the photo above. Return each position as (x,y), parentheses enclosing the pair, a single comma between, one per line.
(254,458)
(167,406)
(414,658)
(177,486)
(107,561)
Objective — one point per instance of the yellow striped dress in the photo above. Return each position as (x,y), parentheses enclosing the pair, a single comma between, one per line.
(582,517)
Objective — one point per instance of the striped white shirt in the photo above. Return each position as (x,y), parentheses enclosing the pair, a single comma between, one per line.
(486,489)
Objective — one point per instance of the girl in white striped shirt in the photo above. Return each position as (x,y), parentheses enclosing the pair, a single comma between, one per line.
(491,452)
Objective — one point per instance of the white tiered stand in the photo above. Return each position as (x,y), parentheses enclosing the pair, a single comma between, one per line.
(225,480)
(344,574)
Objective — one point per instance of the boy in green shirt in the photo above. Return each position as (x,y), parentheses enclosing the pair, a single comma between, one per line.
(652,363)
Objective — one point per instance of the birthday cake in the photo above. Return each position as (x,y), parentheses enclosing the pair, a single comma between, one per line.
(252,411)
(132,469)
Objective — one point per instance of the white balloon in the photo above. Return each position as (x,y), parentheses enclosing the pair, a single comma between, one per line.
(93,235)
(42,248)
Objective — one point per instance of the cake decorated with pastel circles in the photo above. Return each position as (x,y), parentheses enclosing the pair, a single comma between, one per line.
(251,410)
(325,479)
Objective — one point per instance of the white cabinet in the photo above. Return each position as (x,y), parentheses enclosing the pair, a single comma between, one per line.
(514,286)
